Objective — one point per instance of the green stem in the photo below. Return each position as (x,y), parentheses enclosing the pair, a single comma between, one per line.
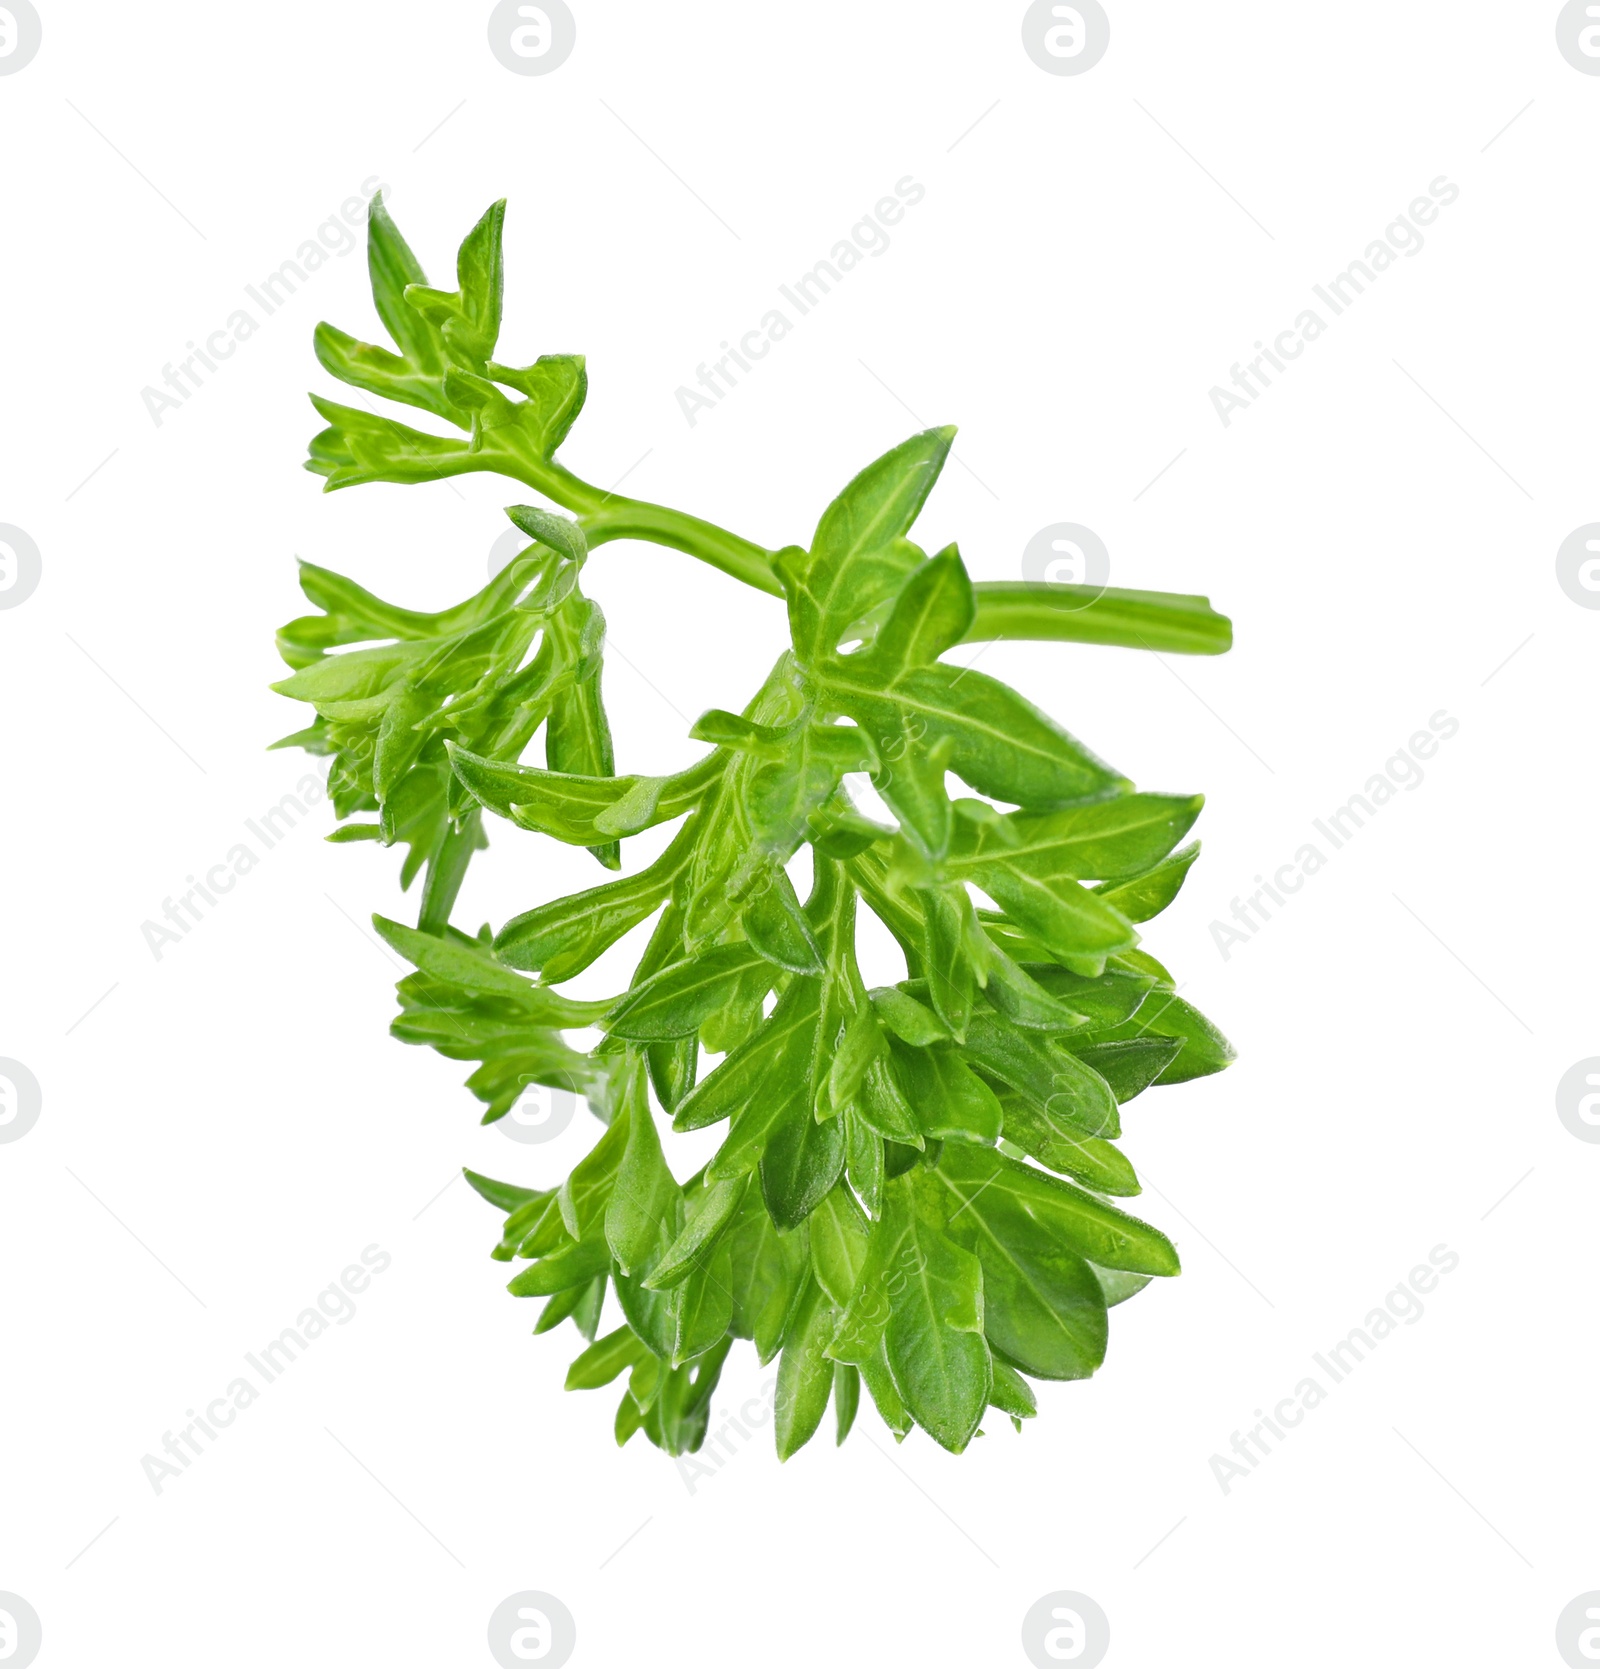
(1153,620)
(447,869)
(606,516)
(629,518)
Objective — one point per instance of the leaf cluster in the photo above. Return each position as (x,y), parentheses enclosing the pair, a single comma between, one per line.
(915,1185)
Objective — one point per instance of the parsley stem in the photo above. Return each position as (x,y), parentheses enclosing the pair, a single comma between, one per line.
(606,516)
(629,518)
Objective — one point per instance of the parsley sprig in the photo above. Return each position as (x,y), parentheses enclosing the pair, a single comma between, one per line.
(915,1189)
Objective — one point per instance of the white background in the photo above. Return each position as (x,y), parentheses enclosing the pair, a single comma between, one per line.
(229,1126)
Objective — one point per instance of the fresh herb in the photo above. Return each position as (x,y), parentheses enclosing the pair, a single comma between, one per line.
(915,1189)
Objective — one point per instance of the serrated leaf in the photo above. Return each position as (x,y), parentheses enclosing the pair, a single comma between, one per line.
(1107,999)
(469,316)
(863,1160)
(931,614)
(801,1159)
(674,1065)
(571,1265)
(615,1354)
(648,1313)
(579,1304)
(1107,840)
(934,1334)
(675,1001)
(360,446)
(392,267)
(391,376)
(1061,1212)
(1118,1285)
(911,1021)
(702,1307)
(805,1374)
(733,730)
(1011,1393)
(839,1235)
(769,1072)
(586,1193)
(710,1214)
(778,929)
(1061,1146)
(861,1045)
(770,1272)
(467,964)
(356,675)
(858,555)
(534,1229)
(1147,895)
(555,387)
(1015,993)
(949,1099)
(1163,1014)
(846,1398)
(881,1105)
(1059,1084)
(875,1375)
(562,938)
(999,744)
(581,810)
(952,974)
(645,1206)
(1043,1306)
(508,1196)
(1129,1067)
